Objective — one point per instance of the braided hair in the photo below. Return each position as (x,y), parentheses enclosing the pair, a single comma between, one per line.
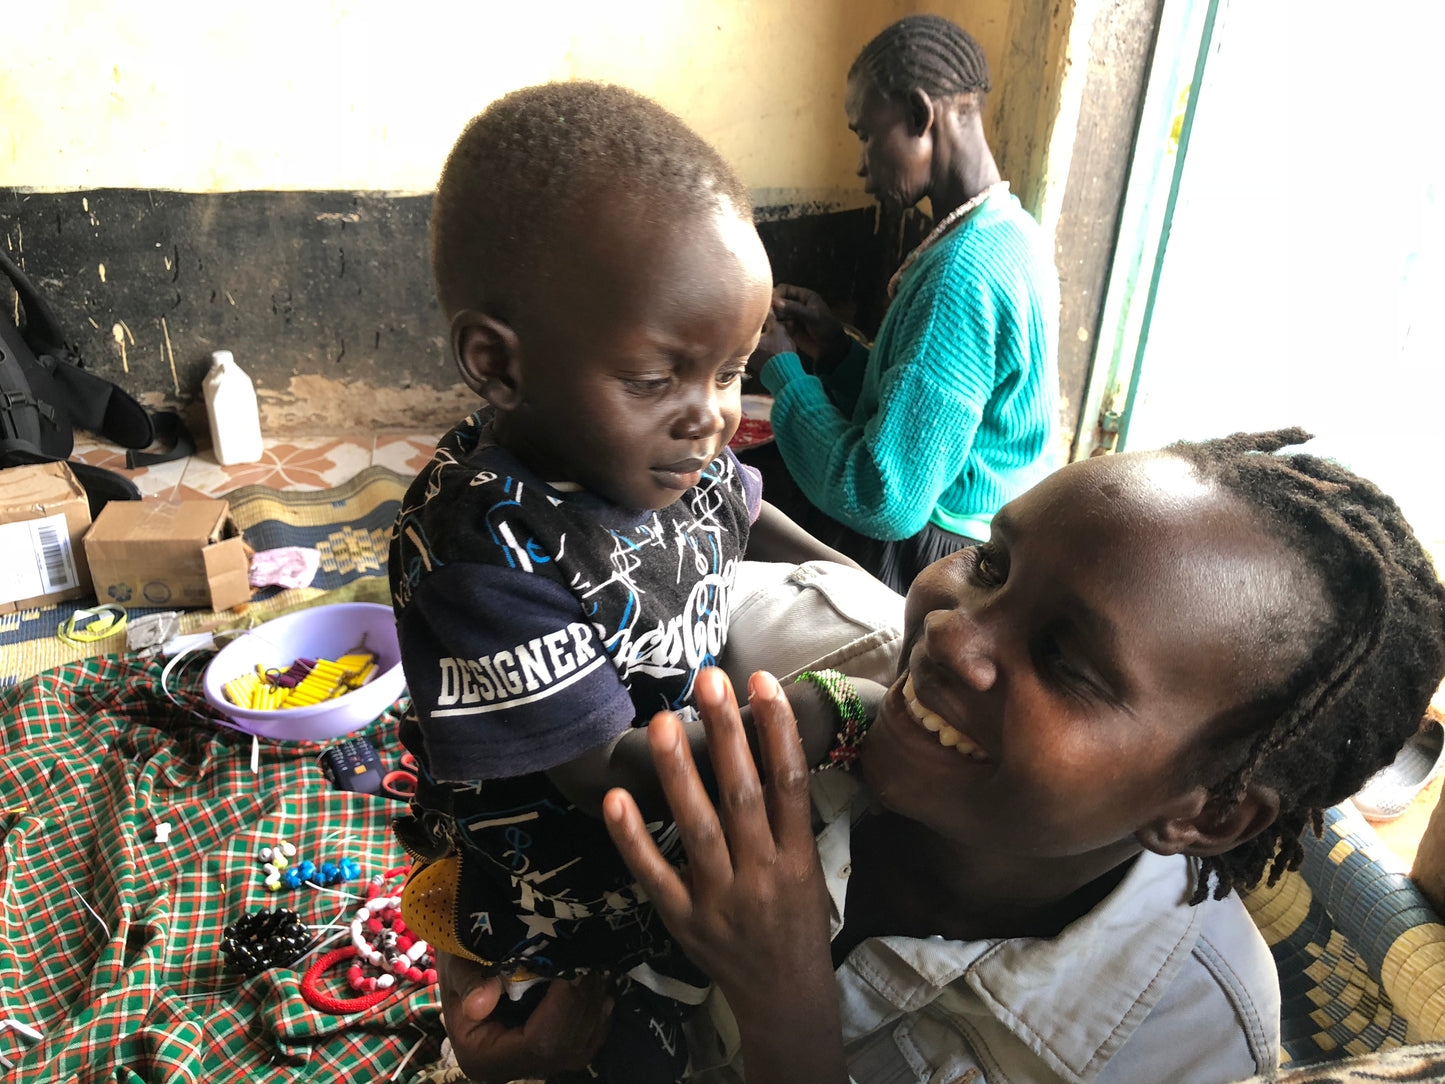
(1353,703)
(926,52)
(526,172)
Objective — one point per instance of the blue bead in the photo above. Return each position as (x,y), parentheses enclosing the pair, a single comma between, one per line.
(291,878)
(330,873)
(308,870)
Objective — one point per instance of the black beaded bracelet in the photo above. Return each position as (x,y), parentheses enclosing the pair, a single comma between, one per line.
(264,939)
(851,713)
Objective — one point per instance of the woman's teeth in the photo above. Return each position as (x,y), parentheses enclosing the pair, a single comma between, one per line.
(932,721)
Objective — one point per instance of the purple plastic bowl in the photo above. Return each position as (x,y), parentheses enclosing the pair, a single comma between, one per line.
(321,632)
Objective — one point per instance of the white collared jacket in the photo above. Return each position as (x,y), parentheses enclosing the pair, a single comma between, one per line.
(1143,988)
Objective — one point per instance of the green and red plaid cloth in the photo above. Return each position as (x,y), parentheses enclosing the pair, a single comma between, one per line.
(110,940)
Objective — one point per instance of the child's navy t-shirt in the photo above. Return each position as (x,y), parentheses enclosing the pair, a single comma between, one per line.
(537,624)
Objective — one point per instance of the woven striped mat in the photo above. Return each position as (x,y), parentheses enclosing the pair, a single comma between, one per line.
(350,525)
(1360,952)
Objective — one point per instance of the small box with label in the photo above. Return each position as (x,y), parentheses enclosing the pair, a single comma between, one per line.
(44,514)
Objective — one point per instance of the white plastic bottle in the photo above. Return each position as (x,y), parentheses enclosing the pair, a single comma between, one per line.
(231,407)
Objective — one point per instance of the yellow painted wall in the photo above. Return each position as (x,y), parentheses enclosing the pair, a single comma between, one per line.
(369,94)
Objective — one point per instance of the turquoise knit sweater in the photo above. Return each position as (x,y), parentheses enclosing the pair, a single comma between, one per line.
(953,412)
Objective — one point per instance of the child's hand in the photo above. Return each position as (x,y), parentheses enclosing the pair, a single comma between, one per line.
(751,909)
(562,1034)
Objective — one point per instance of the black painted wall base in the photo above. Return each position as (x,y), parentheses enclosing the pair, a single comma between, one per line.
(325,298)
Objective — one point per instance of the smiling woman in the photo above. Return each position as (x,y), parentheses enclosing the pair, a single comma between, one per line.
(1154,676)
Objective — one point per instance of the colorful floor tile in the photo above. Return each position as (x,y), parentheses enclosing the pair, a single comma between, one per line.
(300,463)
(294,463)
(405,453)
(161,480)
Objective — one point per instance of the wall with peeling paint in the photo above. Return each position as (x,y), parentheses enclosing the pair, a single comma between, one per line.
(184,177)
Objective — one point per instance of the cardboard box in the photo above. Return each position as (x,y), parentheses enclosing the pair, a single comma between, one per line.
(168,553)
(43,516)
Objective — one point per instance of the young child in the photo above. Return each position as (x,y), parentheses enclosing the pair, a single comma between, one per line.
(1135,697)
(561,570)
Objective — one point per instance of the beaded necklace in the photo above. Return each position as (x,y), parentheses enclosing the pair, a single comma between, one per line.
(397,953)
(950,220)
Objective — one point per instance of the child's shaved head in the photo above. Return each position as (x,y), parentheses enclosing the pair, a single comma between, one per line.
(528,171)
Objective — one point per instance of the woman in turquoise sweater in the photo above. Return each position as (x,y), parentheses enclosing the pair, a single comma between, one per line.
(901,454)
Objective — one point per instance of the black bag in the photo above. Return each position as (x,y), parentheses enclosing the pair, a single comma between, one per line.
(45,394)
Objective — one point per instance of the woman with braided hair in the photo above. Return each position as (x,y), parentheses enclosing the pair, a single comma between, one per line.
(900,454)
(1128,703)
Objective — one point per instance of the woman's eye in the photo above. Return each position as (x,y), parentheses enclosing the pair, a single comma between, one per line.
(1067,670)
(1074,677)
(988,565)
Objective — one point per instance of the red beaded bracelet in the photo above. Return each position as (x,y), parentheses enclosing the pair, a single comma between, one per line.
(337,1006)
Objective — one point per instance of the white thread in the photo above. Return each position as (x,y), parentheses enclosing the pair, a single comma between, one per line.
(91,909)
(415,1047)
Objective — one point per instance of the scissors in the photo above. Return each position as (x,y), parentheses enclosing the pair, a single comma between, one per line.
(401,782)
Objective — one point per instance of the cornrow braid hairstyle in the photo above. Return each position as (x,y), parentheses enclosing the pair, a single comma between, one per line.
(527,171)
(1351,706)
(927,52)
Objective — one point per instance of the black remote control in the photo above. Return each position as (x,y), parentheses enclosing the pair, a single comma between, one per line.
(352,765)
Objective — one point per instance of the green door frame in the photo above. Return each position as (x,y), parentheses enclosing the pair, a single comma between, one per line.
(1187,29)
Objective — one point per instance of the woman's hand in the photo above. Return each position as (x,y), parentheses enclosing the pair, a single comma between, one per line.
(751,908)
(775,340)
(810,322)
(563,1033)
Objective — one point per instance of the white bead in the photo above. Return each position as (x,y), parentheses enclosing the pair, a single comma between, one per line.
(270,870)
(385,982)
(363,913)
(265,854)
(288,848)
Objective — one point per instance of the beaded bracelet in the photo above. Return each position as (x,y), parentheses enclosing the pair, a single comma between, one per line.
(264,939)
(397,950)
(851,713)
(397,953)
(318,999)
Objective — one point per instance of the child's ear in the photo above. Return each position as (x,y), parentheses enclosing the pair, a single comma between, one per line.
(1206,827)
(489,356)
(920,111)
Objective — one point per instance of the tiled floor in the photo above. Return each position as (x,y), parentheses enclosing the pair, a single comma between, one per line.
(297,463)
